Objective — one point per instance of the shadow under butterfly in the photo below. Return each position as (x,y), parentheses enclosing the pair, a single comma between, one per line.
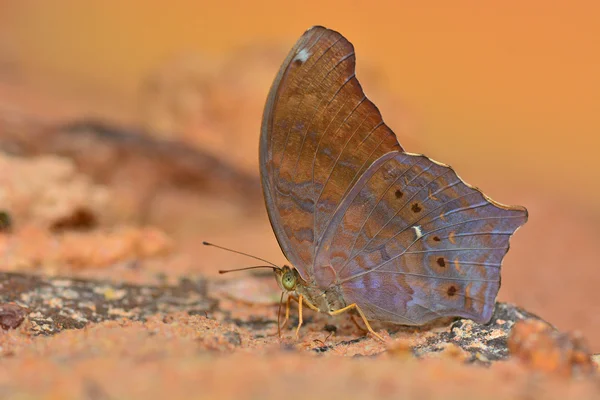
(395,236)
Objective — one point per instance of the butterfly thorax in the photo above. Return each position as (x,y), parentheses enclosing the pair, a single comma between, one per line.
(327,300)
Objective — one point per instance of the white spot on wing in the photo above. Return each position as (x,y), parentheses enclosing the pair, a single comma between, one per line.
(302,56)
(418,232)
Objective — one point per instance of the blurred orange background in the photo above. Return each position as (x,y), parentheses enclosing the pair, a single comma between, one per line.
(508,93)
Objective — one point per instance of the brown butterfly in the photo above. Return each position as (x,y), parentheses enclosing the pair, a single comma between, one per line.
(395,236)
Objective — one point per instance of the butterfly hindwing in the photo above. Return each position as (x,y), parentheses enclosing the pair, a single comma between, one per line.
(412,242)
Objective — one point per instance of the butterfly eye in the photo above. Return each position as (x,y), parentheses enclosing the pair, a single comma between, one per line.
(288,281)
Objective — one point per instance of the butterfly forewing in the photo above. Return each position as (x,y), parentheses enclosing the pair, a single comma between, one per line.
(412,242)
(319,134)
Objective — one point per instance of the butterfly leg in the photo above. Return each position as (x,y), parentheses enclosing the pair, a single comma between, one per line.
(360,328)
(287,309)
(300,298)
(300,301)
(362,315)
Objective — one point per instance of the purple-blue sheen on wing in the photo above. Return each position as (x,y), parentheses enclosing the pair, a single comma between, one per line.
(411,242)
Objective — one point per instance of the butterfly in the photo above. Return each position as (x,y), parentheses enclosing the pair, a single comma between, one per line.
(395,236)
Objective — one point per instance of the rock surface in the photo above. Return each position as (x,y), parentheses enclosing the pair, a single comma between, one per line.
(543,348)
(11,315)
(116,156)
(57,304)
(80,338)
(49,191)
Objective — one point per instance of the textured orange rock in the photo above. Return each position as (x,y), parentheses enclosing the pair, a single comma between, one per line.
(47,190)
(179,356)
(541,347)
(11,315)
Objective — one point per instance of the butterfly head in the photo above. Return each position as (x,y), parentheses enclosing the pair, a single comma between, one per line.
(287,278)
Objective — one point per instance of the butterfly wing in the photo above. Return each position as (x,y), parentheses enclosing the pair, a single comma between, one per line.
(412,242)
(319,134)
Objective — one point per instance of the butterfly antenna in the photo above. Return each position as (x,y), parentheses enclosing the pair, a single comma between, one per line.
(243,254)
(224,271)
(279,315)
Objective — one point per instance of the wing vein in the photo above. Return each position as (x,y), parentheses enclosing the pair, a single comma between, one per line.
(415,241)
(394,313)
(435,277)
(353,256)
(287,136)
(415,222)
(345,144)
